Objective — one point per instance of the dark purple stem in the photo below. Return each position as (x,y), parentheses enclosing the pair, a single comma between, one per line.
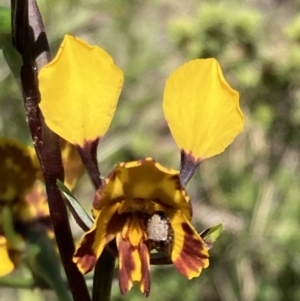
(30,39)
(104,269)
(188,166)
(88,155)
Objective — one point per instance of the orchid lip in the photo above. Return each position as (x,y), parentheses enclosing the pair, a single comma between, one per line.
(157,258)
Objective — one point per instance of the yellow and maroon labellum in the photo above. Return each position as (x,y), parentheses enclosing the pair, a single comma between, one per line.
(79,90)
(201,109)
(132,193)
(134,256)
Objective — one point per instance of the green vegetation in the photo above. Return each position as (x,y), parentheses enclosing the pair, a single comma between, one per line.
(253,187)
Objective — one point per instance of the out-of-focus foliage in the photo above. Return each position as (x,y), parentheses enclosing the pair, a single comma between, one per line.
(253,188)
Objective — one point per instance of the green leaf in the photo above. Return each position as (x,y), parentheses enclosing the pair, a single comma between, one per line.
(11,55)
(14,240)
(83,220)
(44,263)
(211,235)
(5,25)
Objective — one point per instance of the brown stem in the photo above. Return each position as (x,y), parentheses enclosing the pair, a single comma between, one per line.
(88,154)
(30,39)
(103,276)
(104,269)
(188,167)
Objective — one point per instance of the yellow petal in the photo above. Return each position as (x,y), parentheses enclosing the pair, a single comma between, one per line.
(189,254)
(79,91)
(142,182)
(6,265)
(201,109)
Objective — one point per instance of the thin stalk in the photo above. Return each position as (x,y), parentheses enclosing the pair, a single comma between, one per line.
(30,40)
(104,270)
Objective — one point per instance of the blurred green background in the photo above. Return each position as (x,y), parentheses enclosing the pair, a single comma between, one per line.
(253,188)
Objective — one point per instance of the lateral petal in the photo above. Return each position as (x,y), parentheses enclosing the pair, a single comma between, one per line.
(79,90)
(201,109)
(189,254)
(107,224)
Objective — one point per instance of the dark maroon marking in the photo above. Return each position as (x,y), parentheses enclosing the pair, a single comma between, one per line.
(116,223)
(85,246)
(128,229)
(144,255)
(177,182)
(98,196)
(85,249)
(191,257)
(88,154)
(187,229)
(87,262)
(98,199)
(188,166)
(128,265)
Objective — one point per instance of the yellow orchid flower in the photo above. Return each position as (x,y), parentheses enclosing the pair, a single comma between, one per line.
(143,204)
(136,193)
(21,188)
(20,177)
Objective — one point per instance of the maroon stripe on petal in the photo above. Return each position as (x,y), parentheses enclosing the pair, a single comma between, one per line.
(192,257)
(116,223)
(145,284)
(126,265)
(84,256)
(86,263)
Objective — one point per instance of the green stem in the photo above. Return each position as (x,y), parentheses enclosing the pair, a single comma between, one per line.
(103,276)
(15,242)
